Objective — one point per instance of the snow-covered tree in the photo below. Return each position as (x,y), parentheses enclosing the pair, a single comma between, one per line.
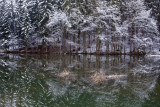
(154,5)
(142,28)
(4,25)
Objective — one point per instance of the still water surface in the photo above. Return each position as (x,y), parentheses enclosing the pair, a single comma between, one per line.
(40,81)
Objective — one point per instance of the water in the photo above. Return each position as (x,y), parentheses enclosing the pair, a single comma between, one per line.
(40,81)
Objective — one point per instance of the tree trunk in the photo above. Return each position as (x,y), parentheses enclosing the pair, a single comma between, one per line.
(97,43)
(70,46)
(89,44)
(64,41)
(78,40)
(124,48)
(84,42)
(130,47)
(26,49)
(46,49)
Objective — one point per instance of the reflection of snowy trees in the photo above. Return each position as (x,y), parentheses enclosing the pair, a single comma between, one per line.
(38,82)
(87,26)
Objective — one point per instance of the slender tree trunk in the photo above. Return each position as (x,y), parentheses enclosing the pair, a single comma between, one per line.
(78,40)
(94,42)
(114,47)
(84,42)
(70,45)
(99,48)
(97,43)
(131,50)
(107,47)
(89,44)
(64,41)
(46,49)
(13,48)
(74,38)
(124,48)
(26,48)
(37,46)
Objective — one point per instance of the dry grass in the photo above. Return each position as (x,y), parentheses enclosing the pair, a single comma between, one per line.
(98,78)
(113,77)
(65,74)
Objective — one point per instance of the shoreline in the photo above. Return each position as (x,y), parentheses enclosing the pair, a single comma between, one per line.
(73,53)
(62,50)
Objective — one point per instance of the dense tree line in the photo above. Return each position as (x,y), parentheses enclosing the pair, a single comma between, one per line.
(86,26)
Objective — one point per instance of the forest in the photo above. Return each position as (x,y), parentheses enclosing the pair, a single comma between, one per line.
(80,26)
(79,53)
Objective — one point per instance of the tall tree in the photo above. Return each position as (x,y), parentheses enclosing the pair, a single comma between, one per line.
(155,6)
(4,25)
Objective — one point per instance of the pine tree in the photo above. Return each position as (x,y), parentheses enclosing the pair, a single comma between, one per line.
(39,15)
(155,6)
(34,15)
(12,25)
(4,25)
(45,6)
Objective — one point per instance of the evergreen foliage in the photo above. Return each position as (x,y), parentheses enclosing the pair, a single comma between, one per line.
(83,25)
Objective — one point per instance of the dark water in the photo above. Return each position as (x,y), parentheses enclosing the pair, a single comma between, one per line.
(36,81)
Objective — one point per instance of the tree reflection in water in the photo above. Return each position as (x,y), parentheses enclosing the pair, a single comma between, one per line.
(32,80)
